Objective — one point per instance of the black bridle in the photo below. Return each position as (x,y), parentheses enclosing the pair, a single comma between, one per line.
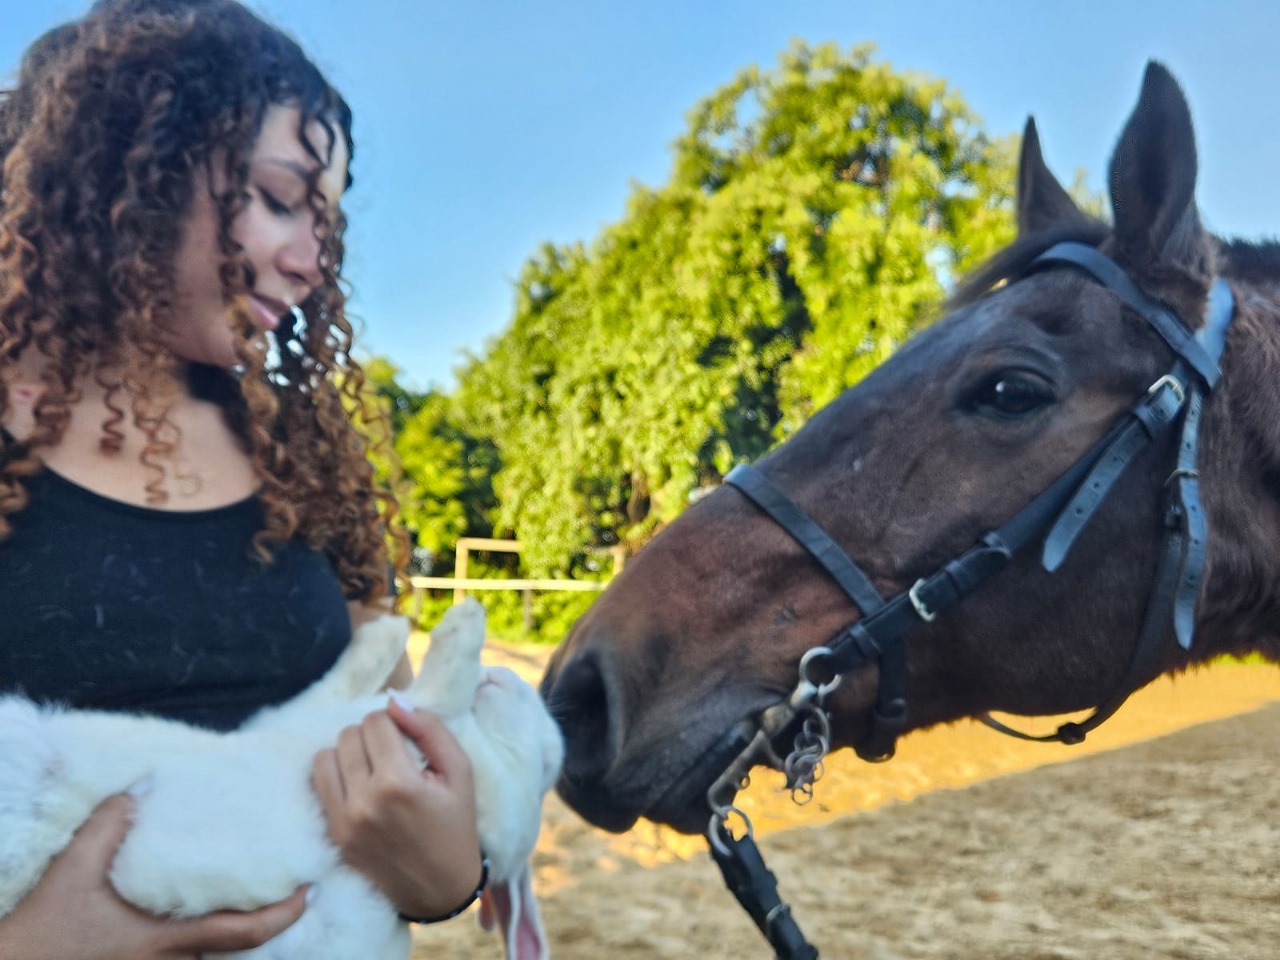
(1060,513)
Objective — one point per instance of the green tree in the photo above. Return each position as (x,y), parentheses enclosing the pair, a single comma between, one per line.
(396,402)
(447,492)
(441,474)
(813,218)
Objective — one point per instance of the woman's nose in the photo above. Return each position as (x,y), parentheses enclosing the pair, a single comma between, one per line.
(300,260)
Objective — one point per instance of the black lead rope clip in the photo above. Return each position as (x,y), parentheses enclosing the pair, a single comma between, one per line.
(756,889)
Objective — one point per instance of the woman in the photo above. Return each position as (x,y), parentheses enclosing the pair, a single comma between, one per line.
(188,523)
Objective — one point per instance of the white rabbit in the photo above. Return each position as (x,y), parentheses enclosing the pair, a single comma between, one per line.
(231,821)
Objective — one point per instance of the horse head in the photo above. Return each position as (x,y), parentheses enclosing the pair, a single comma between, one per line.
(1033,365)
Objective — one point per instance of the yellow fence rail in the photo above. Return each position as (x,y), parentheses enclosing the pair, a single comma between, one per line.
(460,583)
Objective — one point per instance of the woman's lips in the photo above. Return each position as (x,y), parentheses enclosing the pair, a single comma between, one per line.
(269,311)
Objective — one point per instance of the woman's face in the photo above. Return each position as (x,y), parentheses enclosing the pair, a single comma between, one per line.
(276,229)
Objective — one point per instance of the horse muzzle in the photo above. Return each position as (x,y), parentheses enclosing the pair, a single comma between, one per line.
(617,771)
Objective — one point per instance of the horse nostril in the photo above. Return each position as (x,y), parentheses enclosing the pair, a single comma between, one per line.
(579,702)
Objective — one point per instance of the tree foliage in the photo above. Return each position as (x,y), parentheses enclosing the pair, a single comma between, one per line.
(813,218)
(441,475)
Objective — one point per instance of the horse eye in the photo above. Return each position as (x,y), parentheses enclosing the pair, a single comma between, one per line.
(1011,394)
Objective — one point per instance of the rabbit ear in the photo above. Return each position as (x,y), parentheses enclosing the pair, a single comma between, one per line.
(511,907)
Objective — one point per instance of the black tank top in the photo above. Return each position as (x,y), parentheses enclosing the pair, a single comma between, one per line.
(110,606)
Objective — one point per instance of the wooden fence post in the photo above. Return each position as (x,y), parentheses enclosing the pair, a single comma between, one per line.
(460,571)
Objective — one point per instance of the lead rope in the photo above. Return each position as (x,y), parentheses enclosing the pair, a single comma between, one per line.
(756,889)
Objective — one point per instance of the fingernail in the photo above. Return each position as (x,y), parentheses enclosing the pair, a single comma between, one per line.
(142,787)
(400,700)
(311,895)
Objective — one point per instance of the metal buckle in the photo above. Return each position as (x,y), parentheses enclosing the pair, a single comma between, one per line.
(927,615)
(1170,381)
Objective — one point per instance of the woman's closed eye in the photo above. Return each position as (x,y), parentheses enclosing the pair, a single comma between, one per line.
(276,205)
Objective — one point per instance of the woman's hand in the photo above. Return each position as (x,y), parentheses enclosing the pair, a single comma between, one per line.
(411,831)
(74,912)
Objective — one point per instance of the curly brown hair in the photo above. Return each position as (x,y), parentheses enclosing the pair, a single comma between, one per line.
(112,118)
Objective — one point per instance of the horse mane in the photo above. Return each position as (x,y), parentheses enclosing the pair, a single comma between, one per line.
(1251,262)
(1013,260)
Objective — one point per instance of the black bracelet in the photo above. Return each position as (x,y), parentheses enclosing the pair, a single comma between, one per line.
(484,880)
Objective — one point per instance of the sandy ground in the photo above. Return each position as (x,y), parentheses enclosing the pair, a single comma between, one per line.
(1159,837)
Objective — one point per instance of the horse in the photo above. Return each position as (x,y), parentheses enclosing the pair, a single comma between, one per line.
(1065,487)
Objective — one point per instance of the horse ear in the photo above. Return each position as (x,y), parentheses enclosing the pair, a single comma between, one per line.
(1153,175)
(1042,202)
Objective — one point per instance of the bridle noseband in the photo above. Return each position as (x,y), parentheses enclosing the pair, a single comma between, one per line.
(1060,512)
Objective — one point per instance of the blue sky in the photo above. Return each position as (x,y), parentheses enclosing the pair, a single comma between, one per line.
(488,127)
